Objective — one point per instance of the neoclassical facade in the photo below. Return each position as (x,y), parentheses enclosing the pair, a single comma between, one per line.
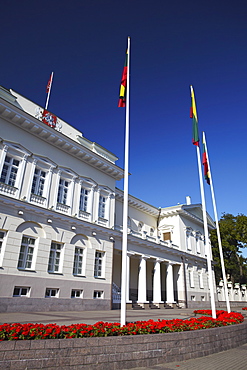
(61,224)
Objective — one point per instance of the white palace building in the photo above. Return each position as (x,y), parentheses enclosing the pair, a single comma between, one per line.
(61,225)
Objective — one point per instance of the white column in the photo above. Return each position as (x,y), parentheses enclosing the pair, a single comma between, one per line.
(169,284)
(157,282)
(142,281)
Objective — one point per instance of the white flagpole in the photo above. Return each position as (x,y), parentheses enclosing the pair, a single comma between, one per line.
(49,91)
(208,249)
(125,204)
(217,227)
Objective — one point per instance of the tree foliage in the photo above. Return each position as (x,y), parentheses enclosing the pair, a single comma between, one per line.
(233,231)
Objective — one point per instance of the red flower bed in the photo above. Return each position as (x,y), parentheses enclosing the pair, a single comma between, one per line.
(244,308)
(104,329)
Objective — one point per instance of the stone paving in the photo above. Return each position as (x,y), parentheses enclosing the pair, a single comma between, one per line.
(233,359)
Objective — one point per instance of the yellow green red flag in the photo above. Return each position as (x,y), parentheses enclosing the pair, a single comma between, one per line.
(193,115)
(123,86)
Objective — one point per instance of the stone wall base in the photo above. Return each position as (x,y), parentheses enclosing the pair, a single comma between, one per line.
(22,304)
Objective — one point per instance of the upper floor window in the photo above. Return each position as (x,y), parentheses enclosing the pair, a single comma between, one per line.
(98,264)
(140,226)
(54,264)
(83,206)
(13,159)
(198,242)
(9,171)
(151,231)
(26,253)
(102,206)
(63,189)
(167,236)
(38,182)
(188,239)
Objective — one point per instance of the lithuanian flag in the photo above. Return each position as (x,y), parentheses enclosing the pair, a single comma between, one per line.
(205,164)
(123,86)
(193,115)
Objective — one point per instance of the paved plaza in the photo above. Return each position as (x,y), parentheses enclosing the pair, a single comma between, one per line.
(233,359)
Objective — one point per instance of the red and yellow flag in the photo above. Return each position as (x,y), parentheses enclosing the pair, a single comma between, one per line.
(193,115)
(123,86)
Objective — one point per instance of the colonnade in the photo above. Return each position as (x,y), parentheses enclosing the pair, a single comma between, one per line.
(156,281)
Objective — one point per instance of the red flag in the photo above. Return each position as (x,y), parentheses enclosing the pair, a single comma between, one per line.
(205,164)
(48,87)
(49,119)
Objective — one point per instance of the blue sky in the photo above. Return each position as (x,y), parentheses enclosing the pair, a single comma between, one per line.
(173,44)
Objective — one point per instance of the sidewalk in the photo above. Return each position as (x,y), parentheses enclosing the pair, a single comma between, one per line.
(233,359)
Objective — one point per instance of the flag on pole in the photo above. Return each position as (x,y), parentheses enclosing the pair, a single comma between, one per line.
(205,164)
(193,115)
(123,86)
(48,87)
(48,90)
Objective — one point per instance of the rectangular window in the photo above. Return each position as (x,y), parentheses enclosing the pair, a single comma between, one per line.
(198,244)
(102,206)
(84,200)
(201,285)
(38,182)
(55,257)
(2,235)
(63,191)
(98,264)
(76,293)
(188,241)
(51,293)
(193,297)
(191,275)
(166,236)
(9,172)
(20,291)
(98,294)
(26,253)
(78,260)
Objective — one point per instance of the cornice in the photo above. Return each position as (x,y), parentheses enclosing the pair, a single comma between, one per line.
(32,125)
(137,203)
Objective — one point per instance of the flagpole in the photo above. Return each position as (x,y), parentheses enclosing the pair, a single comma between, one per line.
(195,141)
(125,203)
(49,91)
(217,227)
(208,249)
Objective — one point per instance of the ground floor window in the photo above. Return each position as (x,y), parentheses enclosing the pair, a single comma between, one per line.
(21,291)
(76,293)
(51,292)
(98,294)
